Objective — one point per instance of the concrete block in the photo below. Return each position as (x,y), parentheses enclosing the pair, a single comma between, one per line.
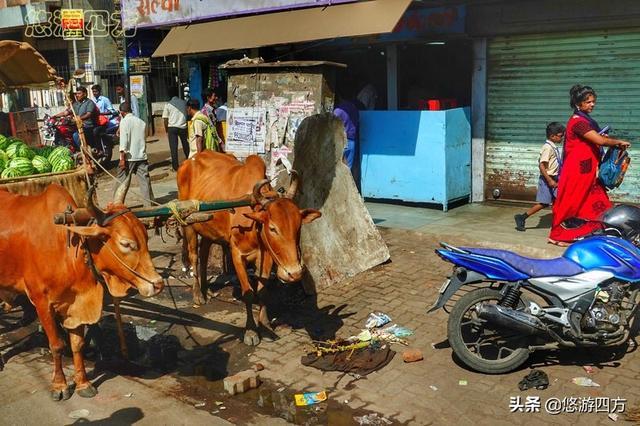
(242,382)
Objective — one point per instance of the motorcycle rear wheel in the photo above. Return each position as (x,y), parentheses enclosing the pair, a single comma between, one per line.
(498,351)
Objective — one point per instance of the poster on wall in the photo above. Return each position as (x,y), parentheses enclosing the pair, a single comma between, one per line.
(137,85)
(246,130)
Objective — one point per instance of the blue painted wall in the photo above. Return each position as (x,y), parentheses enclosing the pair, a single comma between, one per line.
(416,156)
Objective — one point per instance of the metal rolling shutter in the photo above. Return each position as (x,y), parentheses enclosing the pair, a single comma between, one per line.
(528,86)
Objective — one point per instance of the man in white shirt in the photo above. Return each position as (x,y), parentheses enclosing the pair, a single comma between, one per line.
(121,91)
(175,124)
(133,156)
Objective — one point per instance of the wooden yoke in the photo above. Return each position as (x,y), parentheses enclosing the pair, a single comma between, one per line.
(184,212)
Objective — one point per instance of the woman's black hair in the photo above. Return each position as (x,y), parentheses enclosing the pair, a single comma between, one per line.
(578,93)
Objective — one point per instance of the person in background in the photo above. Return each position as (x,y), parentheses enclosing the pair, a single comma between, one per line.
(133,155)
(580,194)
(549,164)
(346,111)
(197,126)
(175,125)
(108,116)
(121,91)
(221,115)
(210,102)
(368,97)
(209,109)
(86,111)
(104,104)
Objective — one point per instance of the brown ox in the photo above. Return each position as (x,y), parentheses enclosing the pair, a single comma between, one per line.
(262,235)
(50,264)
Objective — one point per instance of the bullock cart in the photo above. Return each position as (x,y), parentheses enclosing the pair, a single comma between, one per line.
(24,67)
(73,181)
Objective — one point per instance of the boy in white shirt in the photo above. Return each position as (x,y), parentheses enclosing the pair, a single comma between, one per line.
(549,164)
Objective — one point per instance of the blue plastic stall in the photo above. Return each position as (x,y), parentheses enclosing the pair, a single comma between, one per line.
(416,156)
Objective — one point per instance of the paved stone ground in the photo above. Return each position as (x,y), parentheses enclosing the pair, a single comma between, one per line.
(403,289)
(210,348)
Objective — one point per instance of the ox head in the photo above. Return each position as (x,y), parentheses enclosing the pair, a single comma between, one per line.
(279,221)
(118,245)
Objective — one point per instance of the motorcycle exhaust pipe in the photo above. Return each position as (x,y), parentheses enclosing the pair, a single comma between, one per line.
(510,318)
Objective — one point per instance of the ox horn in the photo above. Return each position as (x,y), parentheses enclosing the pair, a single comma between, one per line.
(257,195)
(123,188)
(293,186)
(93,209)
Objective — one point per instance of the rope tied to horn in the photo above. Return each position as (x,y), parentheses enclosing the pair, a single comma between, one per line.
(178,213)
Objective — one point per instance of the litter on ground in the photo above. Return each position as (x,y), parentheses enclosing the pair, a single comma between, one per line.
(584,381)
(377,319)
(79,414)
(309,398)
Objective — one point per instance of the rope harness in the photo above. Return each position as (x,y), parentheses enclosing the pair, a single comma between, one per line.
(91,263)
(265,241)
(178,213)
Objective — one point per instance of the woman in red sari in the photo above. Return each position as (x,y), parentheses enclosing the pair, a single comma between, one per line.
(580,193)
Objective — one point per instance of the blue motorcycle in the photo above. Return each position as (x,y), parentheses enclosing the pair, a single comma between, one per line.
(515,305)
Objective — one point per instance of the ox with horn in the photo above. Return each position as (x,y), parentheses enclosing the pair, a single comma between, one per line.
(263,200)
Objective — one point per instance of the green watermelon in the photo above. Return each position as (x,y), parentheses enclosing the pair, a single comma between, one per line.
(9,173)
(45,151)
(63,164)
(4,142)
(12,149)
(41,164)
(4,159)
(22,165)
(58,153)
(23,151)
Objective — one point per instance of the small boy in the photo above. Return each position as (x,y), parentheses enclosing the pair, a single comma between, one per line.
(549,164)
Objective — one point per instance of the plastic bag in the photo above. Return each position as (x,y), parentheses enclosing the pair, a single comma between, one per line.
(398,331)
(377,319)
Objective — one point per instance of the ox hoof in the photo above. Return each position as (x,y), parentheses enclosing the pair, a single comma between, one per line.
(198,298)
(61,395)
(88,392)
(251,338)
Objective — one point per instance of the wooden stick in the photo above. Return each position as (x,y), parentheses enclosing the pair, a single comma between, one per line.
(83,141)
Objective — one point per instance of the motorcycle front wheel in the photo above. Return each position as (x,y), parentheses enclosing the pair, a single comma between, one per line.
(480,345)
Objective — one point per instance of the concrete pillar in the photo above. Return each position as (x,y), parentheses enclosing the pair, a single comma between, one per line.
(478,118)
(392,77)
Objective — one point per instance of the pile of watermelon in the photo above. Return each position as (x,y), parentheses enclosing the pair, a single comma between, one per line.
(17,159)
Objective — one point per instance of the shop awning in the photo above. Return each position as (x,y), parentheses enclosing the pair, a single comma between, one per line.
(22,66)
(347,20)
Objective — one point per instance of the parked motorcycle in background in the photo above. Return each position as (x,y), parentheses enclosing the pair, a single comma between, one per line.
(59,131)
(515,305)
(107,139)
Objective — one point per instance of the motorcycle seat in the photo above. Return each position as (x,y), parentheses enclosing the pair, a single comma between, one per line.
(560,266)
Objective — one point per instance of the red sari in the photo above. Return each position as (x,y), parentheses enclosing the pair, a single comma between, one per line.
(580,193)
